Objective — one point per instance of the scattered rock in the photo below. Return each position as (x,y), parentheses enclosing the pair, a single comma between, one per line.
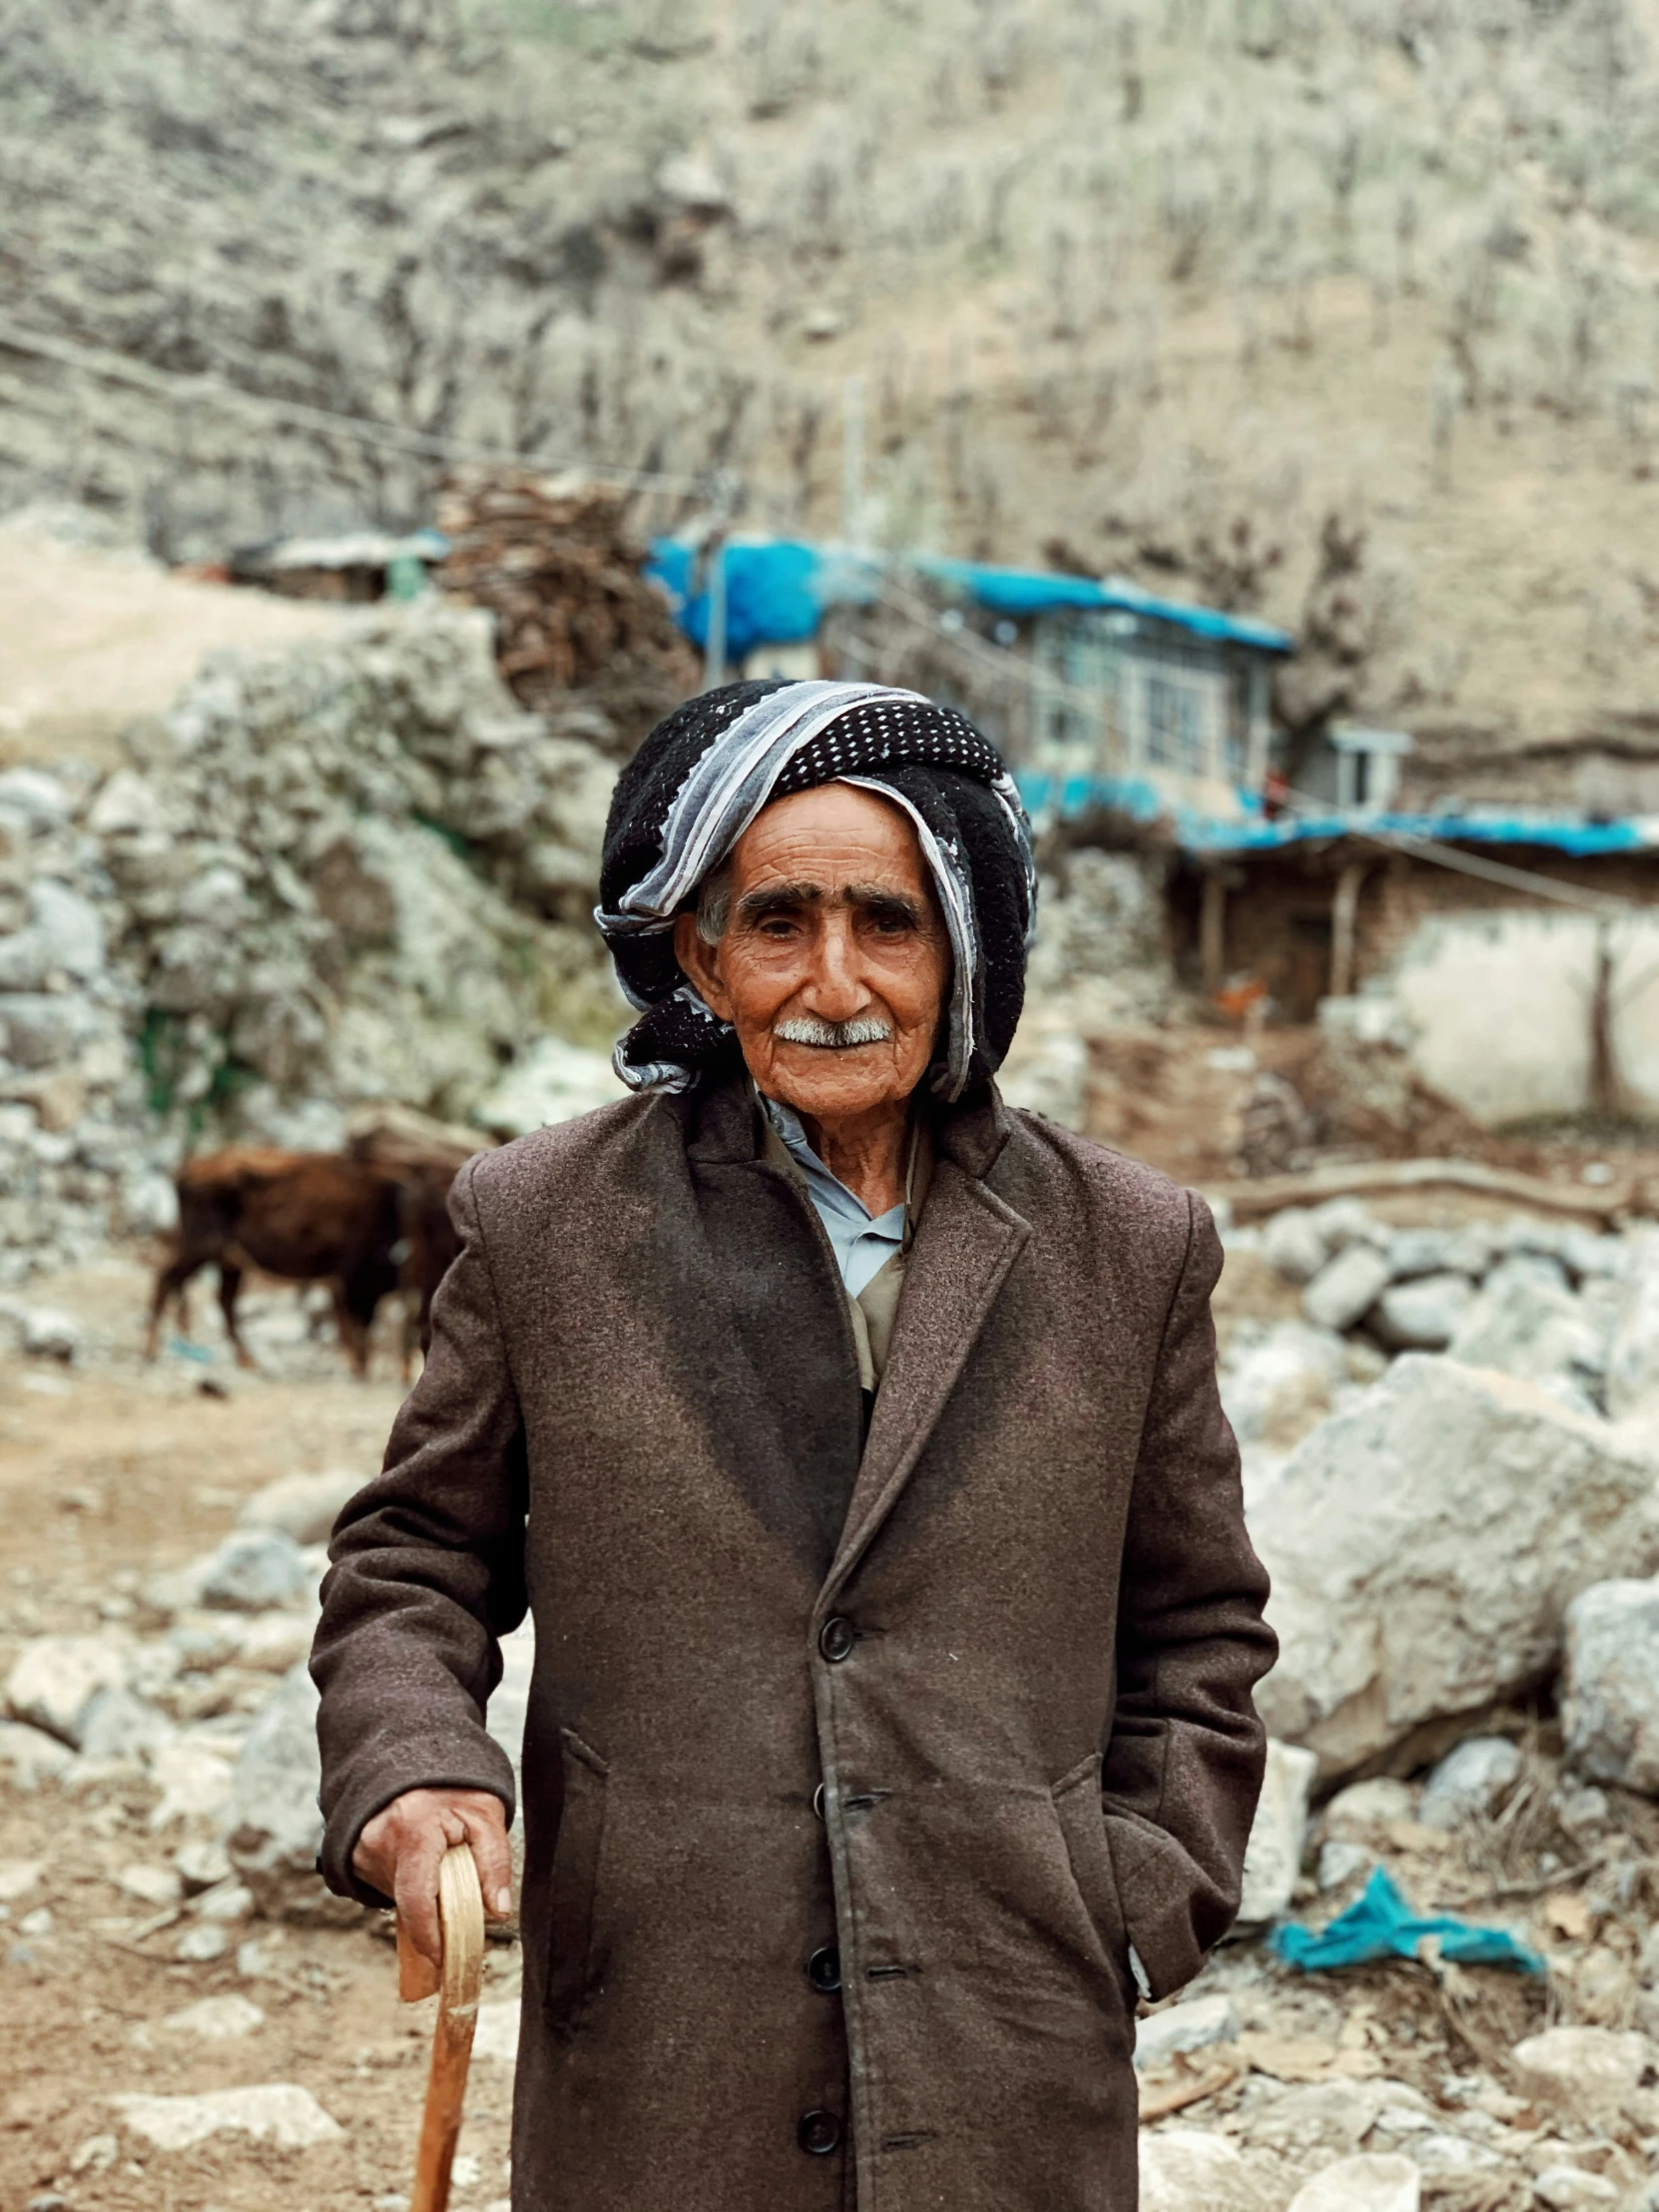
(202,1865)
(17,1878)
(1274,1388)
(1610,1688)
(1475,1778)
(117,1725)
(550,1081)
(1564,2188)
(1423,1315)
(31,1755)
(277,2112)
(1367,2183)
(303,1507)
(273,1827)
(225,1902)
(1330,2117)
(1424,1544)
(1278,1834)
(257,1571)
(1340,1863)
(1633,1355)
(1345,1289)
(1194,2025)
(55,1679)
(194,1780)
(48,1333)
(1365,1811)
(1526,1321)
(95,2155)
(1293,1242)
(273,1642)
(201,1945)
(150,1885)
(1588,2073)
(217,2020)
(1413,1253)
(496,2035)
(1184,2169)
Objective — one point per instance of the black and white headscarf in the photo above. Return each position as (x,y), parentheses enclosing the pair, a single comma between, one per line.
(704,773)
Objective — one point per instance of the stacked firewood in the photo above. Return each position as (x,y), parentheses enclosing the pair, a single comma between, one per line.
(554,560)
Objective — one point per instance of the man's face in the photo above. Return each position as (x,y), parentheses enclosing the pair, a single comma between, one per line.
(835,961)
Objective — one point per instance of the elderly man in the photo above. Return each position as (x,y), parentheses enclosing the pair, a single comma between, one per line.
(855,1443)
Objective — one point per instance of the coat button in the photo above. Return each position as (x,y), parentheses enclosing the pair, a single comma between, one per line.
(817,1801)
(818,2134)
(837,1638)
(823,1970)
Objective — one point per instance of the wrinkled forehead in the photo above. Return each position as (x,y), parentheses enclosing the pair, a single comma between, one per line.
(833,837)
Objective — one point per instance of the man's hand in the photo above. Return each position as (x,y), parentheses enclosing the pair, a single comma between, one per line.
(401,1849)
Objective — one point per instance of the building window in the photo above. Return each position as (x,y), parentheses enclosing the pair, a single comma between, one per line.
(1175,721)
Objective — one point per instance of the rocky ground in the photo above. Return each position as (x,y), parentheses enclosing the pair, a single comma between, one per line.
(189,2023)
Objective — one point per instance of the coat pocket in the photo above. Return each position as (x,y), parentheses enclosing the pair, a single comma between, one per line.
(1082,1818)
(575,1881)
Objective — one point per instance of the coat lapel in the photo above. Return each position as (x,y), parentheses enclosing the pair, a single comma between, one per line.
(967,1242)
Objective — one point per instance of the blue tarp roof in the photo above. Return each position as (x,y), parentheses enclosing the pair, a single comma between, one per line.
(1018,593)
(1252,831)
(778,588)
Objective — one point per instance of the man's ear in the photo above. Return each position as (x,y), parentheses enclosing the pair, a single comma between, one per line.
(701,962)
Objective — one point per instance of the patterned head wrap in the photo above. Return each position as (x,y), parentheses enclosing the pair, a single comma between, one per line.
(704,773)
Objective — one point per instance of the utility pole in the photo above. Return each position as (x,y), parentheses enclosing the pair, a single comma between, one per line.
(852,460)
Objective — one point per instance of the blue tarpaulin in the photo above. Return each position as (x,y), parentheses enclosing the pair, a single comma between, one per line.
(1380,1925)
(778,588)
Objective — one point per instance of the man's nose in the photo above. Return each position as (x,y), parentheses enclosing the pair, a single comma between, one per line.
(834,989)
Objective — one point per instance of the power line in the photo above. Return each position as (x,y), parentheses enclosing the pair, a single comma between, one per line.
(182,391)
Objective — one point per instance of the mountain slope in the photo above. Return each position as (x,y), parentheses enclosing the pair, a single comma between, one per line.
(1343,311)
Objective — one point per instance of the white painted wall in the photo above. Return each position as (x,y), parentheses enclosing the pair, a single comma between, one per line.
(1497,1006)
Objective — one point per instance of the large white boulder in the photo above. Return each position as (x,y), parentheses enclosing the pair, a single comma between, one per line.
(1278,1834)
(1610,1701)
(1526,1321)
(1424,1544)
(272,1828)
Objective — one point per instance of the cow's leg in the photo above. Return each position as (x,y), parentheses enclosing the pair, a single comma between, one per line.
(354,1337)
(230,1285)
(169,1283)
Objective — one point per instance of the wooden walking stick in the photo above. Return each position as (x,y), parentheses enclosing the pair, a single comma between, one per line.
(461,1914)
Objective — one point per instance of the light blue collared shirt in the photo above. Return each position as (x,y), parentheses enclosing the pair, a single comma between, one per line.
(862,1242)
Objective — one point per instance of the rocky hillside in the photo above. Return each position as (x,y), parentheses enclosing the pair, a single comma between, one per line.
(1342,311)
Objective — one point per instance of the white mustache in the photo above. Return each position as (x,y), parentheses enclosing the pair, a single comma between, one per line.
(832,1037)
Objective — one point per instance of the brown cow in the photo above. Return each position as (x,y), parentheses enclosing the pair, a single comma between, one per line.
(307,1216)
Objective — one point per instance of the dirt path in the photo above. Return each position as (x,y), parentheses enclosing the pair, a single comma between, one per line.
(108,1472)
(92,638)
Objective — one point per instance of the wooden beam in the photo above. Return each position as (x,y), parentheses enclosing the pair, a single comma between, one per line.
(1270,1194)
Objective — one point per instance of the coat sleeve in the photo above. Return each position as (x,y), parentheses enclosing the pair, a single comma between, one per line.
(1181,1766)
(427,1576)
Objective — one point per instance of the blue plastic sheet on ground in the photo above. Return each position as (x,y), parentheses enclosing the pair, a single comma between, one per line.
(1380,1925)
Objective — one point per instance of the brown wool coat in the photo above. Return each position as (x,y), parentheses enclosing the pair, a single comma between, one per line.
(1014,1638)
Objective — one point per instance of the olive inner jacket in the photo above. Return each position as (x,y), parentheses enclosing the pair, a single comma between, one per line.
(1013,1633)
